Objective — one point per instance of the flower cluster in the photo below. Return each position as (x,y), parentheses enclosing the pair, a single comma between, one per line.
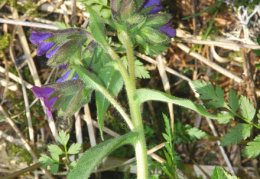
(53,44)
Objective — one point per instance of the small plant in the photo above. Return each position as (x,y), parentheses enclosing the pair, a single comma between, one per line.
(93,61)
(59,155)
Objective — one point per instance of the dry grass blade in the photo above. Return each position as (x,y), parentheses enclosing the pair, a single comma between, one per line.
(166,86)
(26,101)
(21,136)
(209,63)
(91,133)
(78,129)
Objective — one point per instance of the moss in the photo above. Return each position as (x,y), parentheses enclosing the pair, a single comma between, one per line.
(5,41)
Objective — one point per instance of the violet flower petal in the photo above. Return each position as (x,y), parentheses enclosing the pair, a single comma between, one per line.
(44,93)
(65,76)
(49,104)
(168,30)
(44,47)
(156,9)
(52,52)
(37,37)
(150,3)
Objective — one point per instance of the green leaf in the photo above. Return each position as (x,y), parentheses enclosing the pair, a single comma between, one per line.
(91,158)
(54,168)
(55,152)
(229,176)
(154,36)
(140,69)
(55,149)
(233,100)
(63,138)
(253,148)
(235,135)
(143,95)
(113,81)
(89,78)
(45,160)
(196,133)
(247,109)
(218,174)
(97,27)
(207,92)
(74,148)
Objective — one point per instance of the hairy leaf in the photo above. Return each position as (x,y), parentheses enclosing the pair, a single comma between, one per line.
(91,158)
(97,27)
(143,95)
(235,135)
(113,81)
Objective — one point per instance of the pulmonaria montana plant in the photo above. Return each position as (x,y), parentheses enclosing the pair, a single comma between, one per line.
(93,64)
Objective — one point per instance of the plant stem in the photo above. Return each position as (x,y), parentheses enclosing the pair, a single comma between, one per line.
(140,147)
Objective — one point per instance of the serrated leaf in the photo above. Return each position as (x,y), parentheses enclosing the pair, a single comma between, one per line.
(253,148)
(196,133)
(55,157)
(207,92)
(45,160)
(218,174)
(55,149)
(143,95)
(140,70)
(235,135)
(224,120)
(54,168)
(233,100)
(113,81)
(247,109)
(97,27)
(91,158)
(228,175)
(74,148)
(63,138)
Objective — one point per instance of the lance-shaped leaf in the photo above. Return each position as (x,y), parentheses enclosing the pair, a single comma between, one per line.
(113,81)
(97,27)
(91,158)
(157,20)
(60,36)
(143,95)
(127,8)
(154,36)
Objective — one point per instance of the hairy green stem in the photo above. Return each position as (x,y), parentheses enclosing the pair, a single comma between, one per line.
(130,57)
(140,147)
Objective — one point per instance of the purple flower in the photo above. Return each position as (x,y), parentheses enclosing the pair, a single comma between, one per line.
(155,3)
(170,31)
(44,93)
(38,38)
